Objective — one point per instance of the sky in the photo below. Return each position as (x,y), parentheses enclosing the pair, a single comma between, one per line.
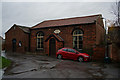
(30,13)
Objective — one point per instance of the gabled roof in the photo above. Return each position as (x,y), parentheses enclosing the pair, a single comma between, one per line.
(57,37)
(68,21)
(23,28)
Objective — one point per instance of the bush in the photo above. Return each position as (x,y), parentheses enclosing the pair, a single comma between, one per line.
(4,62)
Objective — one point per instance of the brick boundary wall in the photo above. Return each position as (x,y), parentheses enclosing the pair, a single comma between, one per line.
(115,53)
(98,53)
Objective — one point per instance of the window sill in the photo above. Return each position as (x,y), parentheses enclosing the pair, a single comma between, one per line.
(41,49)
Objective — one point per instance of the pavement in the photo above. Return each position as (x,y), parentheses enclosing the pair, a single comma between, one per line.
(36,66)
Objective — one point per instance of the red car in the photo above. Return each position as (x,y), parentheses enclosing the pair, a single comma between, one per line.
(69,53)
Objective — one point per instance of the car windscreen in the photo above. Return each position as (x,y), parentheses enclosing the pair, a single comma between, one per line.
(65,49)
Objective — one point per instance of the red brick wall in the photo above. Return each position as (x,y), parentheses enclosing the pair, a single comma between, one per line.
(3,46)
(89,37)
(98,53)
(100,31)
(114,52)
(99,50)
(19,35)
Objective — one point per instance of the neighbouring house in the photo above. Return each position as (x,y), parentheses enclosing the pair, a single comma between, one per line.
(17,39)
(81,33)
(114,43)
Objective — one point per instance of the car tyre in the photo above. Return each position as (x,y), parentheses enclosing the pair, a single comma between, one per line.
(59,56)
(80,59)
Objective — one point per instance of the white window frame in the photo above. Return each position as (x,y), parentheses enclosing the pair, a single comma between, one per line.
(39,36)
(77,35)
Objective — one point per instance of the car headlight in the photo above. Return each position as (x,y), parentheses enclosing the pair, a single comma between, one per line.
(86,56)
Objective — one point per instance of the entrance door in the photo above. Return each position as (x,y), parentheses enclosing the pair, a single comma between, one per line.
(14,45)
(52,47)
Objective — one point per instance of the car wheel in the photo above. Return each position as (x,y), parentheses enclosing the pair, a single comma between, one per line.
(59,56)
(80,59)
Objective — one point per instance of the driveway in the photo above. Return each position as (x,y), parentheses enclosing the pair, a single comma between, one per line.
(36,66)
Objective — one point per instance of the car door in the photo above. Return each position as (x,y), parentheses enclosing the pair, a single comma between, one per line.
(64,53)
(71,54)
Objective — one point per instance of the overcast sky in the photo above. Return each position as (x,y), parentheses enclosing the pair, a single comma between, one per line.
(32,13)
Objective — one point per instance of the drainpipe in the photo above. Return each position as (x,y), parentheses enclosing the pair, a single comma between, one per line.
(105,36)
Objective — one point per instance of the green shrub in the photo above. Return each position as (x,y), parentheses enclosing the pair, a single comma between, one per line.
(4,62)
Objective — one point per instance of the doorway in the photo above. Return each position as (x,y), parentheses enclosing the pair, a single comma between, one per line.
(14,45)
(52,47)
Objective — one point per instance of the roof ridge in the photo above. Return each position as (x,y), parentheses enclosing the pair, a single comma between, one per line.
(87,18)
(22,26)
(73,18)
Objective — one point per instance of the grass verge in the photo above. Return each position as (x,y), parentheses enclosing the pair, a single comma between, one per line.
(4,62)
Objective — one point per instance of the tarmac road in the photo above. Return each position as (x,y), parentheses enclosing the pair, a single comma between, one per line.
(36,66)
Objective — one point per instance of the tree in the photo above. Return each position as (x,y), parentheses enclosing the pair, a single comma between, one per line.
(116,12)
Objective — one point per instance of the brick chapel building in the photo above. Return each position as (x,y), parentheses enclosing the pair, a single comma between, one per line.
(17,39)
(48,36)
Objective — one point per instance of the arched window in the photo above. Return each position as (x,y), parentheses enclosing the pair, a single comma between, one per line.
(78,39)
(40,40)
